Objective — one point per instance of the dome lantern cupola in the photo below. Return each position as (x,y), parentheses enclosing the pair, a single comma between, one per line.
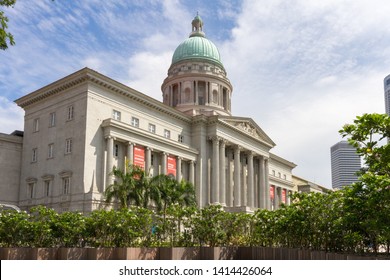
(197,82)
(197,27)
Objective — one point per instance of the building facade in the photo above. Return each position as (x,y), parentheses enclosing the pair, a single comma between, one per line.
(10,166)
(81,126)
(345,164)
(386,85)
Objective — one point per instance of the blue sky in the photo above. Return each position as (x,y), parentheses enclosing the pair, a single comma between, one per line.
(301,69)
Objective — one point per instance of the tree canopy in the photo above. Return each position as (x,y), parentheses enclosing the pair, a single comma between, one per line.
(5,36)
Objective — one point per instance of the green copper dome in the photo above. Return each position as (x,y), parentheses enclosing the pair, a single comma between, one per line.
(197,46)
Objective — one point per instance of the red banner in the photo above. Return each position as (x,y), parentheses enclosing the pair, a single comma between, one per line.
(272,192)
(284,192)
(171,170)
(139,156)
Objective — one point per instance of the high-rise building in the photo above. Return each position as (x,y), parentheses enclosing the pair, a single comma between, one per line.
(386,84)
(345,164)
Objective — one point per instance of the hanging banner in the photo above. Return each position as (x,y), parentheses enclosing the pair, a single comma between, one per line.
(139,156)
(272,192)
(171,170)
(284,192)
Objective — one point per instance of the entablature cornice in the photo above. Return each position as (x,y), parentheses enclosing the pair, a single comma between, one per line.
(284,182)
(282,160)
(170,80)
(87,75)
(127,133)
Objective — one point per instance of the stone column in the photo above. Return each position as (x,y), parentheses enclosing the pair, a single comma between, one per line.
(196,93)
(207,93)
(243,173)
(288,197)
(215,174)
(170,96)
(130,153)
(110,151)
(229,183)
(164,163)
(266,184)
(277,197)
(192,172)
(237,178)
(178,169)
(222,173)
(179,90)
(250,190)
(262,189)
(148,160)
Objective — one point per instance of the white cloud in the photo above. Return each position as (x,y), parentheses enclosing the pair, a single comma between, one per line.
(148,71)
(306,66)
(11,116)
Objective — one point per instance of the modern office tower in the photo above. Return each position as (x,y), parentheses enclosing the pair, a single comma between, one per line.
(345,163)
(386,84)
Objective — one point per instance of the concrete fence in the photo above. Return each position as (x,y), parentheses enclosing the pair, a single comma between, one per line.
(176,253)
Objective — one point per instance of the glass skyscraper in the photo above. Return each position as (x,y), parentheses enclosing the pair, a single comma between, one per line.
(345,163)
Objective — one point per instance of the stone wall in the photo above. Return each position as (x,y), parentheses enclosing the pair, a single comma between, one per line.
(177,253)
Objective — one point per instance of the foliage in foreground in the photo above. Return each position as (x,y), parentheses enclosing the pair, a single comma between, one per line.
(354,219)
(313,221)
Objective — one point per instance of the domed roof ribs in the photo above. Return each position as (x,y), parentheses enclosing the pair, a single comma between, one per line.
(197,82)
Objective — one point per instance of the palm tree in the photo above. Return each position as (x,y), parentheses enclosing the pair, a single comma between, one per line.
(173,192)
(184,194)
(126,188)
(149,187)
(135,186)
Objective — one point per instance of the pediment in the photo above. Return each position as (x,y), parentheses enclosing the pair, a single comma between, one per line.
(248,126)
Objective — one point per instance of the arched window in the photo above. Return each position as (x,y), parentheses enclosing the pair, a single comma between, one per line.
(187,95)
(225,99)
(215,96)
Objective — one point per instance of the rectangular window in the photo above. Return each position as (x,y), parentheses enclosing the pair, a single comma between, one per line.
(167,133)
(69,113)
(36,125)
(116,115)
(65,185)
(47,188)
(68,146)
(180,138)
(30,190)
(116,150)
(135,122)
(152,128)
(34,156)
(50,151)
(52,120)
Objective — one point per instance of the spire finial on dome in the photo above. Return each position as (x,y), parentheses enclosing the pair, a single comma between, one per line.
(197,26)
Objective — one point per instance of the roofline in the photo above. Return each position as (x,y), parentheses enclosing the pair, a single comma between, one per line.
(270,142)
(282,160)
(86,75)
(303,179)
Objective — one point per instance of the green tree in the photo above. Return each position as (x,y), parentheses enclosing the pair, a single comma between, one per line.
(126,188)
(173,192)
(5,36)
(367,202)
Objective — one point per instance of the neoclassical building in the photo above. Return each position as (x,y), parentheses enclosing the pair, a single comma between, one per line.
(81,126)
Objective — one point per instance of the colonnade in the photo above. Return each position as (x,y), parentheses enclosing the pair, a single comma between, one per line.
(278,197)
(108,166)
(239,176)
(223,99)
